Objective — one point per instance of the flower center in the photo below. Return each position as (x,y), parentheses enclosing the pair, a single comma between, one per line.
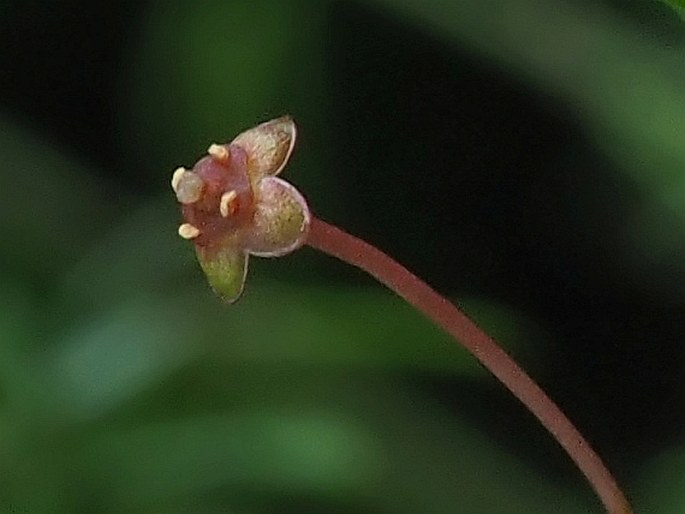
(221,201)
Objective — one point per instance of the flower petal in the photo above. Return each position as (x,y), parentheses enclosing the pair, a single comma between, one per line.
(225,268)
(268,146)
(281,219)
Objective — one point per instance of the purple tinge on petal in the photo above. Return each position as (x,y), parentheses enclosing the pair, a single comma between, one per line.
(225,268)
(268,146)
(281,219)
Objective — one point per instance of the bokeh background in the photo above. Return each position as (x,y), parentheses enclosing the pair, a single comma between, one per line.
(526,157)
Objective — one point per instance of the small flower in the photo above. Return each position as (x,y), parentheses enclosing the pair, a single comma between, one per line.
(233,204)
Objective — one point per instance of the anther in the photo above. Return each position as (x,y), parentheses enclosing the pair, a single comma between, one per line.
(227,203)
(187,185)
(176,178)
(188,231)
(219,152)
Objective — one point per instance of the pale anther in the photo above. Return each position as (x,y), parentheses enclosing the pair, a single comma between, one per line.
(226,204)
(176,178)
(188,231)
(218,152)
(188,186)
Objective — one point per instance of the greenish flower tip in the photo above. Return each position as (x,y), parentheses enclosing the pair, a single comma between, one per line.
(234,205)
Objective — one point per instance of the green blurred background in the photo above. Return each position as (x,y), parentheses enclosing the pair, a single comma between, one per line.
(526,157)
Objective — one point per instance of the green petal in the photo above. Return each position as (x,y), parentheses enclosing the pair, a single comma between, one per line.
(225,268)
(268,146)
(281,219)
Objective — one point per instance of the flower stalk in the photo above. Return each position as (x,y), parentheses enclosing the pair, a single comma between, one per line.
(352,250)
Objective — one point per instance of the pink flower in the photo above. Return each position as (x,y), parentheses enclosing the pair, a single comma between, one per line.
(233,204)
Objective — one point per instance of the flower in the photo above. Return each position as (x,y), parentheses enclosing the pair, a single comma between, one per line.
(234,205)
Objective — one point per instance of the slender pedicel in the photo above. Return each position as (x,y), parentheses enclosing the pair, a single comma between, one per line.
(352,250)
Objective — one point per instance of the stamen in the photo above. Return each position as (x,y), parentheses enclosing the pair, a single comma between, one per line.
(227,203)
(188,231)
(219,152)
(176,178)
(188,186)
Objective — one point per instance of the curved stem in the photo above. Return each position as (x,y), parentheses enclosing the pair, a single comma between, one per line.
(334,241)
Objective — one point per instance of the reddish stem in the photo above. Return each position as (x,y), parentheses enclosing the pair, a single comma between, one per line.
(334,241)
